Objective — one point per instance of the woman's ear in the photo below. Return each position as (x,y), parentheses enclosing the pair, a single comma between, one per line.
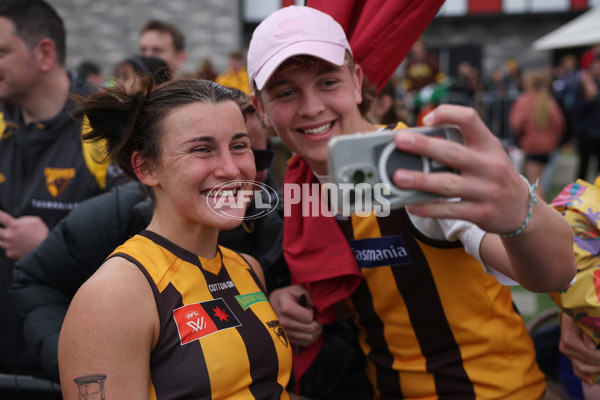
(142,170)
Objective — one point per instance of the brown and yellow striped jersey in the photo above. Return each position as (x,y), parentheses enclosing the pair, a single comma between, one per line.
(431,322)
(219,336)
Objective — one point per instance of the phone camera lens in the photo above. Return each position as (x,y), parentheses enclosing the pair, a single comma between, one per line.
(359,176)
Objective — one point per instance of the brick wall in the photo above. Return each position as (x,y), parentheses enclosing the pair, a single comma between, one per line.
(106,31)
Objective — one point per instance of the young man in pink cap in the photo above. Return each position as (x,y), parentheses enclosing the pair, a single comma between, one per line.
(436,321)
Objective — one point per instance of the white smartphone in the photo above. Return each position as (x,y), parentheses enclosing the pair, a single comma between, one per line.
(361,165)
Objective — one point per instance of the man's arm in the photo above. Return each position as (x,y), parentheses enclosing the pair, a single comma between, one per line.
(493,196)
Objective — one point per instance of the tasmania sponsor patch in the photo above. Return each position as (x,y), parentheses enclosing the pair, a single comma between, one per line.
(194,321)
(377,252)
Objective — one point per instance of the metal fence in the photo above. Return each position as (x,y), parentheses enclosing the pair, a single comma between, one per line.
(494,109)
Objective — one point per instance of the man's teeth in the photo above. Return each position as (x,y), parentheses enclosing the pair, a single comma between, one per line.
(317,131)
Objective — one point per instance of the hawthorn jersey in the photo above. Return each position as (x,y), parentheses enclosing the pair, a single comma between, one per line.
(431,322)
(45,171)
(45,168)
(219,336)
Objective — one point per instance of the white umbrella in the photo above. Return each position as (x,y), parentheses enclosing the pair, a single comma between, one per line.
(581,31)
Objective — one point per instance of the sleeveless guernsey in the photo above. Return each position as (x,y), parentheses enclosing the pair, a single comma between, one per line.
(219,336)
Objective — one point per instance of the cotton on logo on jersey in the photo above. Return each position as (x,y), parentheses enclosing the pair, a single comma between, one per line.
(194,321)
(378,252)
(215,287)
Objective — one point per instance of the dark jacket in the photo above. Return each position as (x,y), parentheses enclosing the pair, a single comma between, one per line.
(46,279)
(587,114)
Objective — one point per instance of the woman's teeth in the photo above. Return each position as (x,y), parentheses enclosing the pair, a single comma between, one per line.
(219,193)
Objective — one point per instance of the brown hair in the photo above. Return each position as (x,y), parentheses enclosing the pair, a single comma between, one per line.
(35,20)
(164,27)
(538,81)
(135,121)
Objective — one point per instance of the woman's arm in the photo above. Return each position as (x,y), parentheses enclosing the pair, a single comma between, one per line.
(108,334)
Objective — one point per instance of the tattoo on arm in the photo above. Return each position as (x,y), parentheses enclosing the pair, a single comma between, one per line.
(90,387)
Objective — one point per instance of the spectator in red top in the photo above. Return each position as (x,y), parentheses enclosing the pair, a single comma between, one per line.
(537,123)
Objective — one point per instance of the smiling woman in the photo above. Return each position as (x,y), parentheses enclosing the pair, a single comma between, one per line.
(155,319)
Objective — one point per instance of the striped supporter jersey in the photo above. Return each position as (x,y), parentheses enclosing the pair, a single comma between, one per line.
(219,336)
(431,322)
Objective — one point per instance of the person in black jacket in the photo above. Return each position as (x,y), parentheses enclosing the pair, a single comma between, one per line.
(45,171)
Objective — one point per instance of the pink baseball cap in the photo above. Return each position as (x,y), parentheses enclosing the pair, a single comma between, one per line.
(293,31)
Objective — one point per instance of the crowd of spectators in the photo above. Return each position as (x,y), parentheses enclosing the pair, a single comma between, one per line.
(421,84)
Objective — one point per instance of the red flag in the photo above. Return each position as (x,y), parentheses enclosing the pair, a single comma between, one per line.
(380,32)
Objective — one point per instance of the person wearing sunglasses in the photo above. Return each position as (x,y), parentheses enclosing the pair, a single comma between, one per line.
(260,137)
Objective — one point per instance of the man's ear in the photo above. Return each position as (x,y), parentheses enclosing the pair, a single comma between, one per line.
(357,75)
(45,54)
(142,170)
(260,109)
